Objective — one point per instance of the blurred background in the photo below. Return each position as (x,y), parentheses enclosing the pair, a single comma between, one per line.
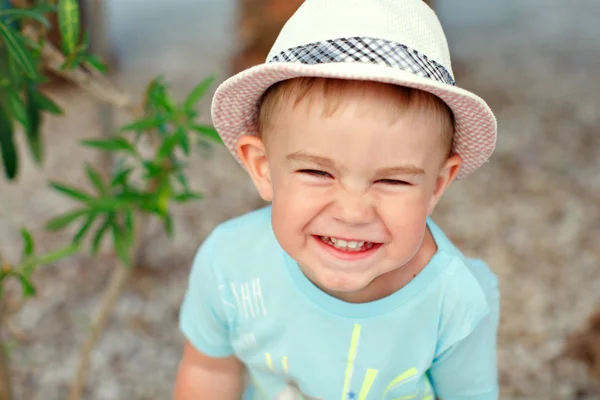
(532,212)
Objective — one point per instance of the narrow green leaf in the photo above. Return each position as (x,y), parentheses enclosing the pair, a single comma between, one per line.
(152,170)
(184,141)
(97,240)
(112,144)
(15,72)
(70,191)
(137,199)
(180,176)
(19,13)
(68,21)
(129,227)
(185,197)
(17,106)
(208,131)
(151,208)
(7,145)
(33,127)
(29,246)
(85,227)
(95,62)
(197,93)
(168,223)
(5,72)
(166,148)
(163,197)
(54,256)
(35,46)
(27,286)
(45,7)
(158,96)
(85,43)
(143,124)
(96,179)
(110,204)
(61,222)
(120,179)
(120,243)
(192,114)
(17,51)
(46,103)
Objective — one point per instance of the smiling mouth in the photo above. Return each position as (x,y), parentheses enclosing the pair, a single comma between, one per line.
(351,246)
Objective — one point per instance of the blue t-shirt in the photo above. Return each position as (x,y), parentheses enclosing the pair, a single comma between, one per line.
(435,337)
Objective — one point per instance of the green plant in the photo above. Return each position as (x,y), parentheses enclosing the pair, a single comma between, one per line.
(28,264)
(22,272)
(139,184)
(147,155)
(21,101)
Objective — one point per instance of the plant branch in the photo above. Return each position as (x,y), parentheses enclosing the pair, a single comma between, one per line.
(91,81)
(119,278)
(100,88)
(117,281)
(95,84)
(5,383)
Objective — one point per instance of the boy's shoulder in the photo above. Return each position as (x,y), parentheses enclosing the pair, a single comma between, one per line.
(468,270)
(467,290)
(469,286)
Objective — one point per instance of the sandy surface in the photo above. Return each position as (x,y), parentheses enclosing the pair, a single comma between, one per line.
(532,212)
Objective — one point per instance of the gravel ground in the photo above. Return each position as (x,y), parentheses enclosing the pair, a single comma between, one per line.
(532,212)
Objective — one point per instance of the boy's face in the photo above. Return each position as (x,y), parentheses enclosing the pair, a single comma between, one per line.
(350,192)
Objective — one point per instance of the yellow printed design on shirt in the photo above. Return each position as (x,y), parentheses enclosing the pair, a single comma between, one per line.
(293,392)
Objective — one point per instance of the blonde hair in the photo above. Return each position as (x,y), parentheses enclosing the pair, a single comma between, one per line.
(298,89)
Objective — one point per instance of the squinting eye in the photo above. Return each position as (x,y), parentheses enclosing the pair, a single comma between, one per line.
(393,182)
(314,172)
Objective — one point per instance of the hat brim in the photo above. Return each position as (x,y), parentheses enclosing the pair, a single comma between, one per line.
(234,107)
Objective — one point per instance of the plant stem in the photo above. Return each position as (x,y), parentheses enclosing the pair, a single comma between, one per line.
(109,300)
(5,383)
(96,85)
(5,375)
(119,278)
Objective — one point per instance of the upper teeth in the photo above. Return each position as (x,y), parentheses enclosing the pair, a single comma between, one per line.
(342,244)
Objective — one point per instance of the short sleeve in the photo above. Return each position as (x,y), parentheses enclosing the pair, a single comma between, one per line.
(202,318)
(467,368)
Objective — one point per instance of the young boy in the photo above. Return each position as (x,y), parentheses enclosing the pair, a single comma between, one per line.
(344,287)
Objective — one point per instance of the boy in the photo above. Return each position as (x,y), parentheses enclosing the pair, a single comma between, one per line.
(344,287)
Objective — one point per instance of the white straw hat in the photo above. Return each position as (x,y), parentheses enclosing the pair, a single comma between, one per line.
(399,42)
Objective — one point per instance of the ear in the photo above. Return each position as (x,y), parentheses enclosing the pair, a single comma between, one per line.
(252,152)
(446,176)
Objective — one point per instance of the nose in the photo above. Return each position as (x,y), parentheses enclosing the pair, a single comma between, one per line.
(353,207)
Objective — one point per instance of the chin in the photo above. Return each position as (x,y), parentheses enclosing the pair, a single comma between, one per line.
(341,283)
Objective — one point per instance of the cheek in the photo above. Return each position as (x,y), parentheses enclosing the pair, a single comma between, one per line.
(405,218)
(294,206)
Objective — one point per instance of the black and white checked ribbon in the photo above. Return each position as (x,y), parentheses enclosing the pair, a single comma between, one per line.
(367,50)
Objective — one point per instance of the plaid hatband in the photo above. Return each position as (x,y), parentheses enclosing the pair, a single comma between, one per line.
(367,50)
